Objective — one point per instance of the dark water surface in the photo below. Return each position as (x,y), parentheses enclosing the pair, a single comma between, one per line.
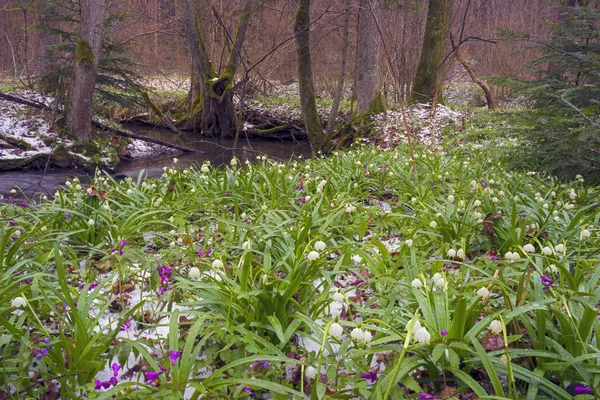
(217,151)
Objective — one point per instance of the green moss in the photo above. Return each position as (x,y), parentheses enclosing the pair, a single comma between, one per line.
(377,105)
(83,53)
(21,144)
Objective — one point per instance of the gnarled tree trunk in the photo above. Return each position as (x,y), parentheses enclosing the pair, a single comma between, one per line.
(367,54)
(429,76)
(87,55)
(306,86)
(218,112)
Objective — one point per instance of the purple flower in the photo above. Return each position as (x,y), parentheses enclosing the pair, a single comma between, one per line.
(260,364)
(174,356)
(357,282)
(113,380)
(162,291)
(432,184)
(444,332)
(47,340)
(27,281)
(545,279)
(546,287)
(199,253)
(123,243)
(115,368)
(424,395)
(371,376)
(126,325)
(98,384)
(13,223)
(583,390)
(150,376)
(494,257)
(25,205)
(93,286)
(208,252)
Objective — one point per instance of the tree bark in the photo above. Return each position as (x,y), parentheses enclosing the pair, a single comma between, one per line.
(429,76)
(308,102)
(218,112)
(367,54)
(340,83)
(87,55)
(486,91)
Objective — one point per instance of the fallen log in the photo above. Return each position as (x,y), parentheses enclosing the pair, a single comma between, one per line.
(102,125)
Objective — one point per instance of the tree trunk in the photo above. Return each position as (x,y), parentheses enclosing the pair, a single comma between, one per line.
(429,76)
(218,112)
(367,54)
(87,55)
(339,91)
(46,63)
(306,86)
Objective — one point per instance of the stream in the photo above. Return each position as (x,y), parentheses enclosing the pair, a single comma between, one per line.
(213,150)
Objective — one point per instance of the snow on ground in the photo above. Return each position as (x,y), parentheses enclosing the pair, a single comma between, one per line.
(31,126)
(19,122)
(426,126)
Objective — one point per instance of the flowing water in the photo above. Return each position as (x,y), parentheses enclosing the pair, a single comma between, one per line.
(217,151)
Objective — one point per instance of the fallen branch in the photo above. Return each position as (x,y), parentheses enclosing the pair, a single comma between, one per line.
(99,124)
(120,132)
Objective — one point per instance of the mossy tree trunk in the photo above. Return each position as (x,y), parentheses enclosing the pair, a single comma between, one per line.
(367,54)
(78,113)
(218,111)
(429,76)
(306,86)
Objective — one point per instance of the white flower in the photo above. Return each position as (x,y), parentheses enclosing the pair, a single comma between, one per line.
(172,244)
(408,242)
(585,233)
(129,191)
(547,251)
(312,256)
(560,248)
(194,273)
(175,160)
(91,222)
(553,268)
(217,264)
(450,198)
(171,219)
(483,292)
(350,208)
(422,335)
(78,187)
(233,162)
(89,190)
(460,254)
(106,206)
(180,241)
(477,215)
(495,200)
(18,302)
(319,246)
(246,245)
(501,193)
(438,280)
(205,168)
(310,372)
(336,330)
(357,259)
(357,334)
(416,283)
(433,224)
(495,326)
(338,297)
(451,253)
(529,248)
(173,232)
(413,200)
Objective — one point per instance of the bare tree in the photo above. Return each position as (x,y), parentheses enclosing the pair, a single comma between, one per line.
(429,75)
(306,85)
(339,91)
(367,54)
(87,55)
(218,112)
